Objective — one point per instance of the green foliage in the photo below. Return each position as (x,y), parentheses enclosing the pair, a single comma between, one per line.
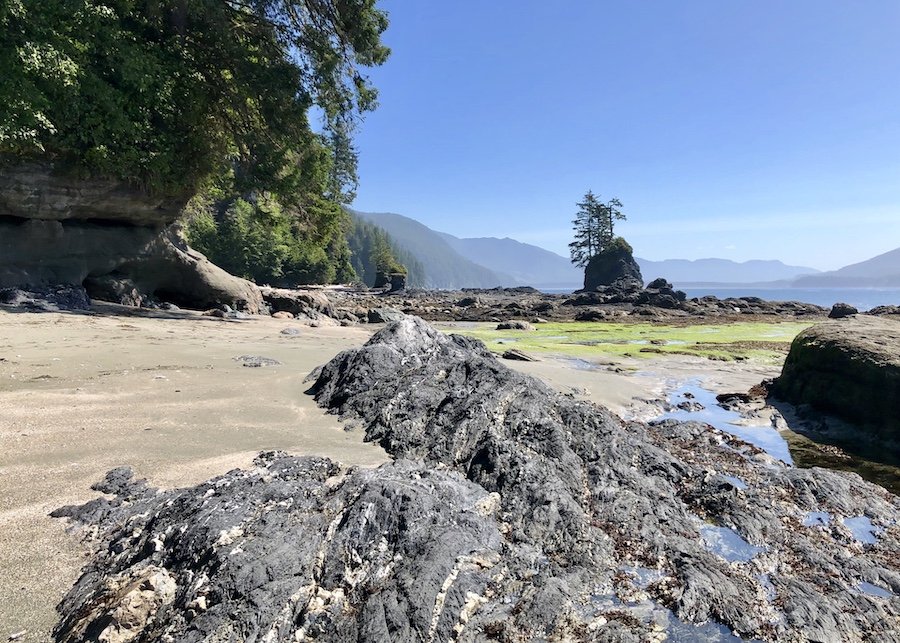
(618,243)
(164,93)
(373,251)
(593,225)
(262,239)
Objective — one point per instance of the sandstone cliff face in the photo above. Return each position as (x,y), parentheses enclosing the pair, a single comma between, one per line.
(58,229)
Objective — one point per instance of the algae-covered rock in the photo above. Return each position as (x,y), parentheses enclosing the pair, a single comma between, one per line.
(849,368)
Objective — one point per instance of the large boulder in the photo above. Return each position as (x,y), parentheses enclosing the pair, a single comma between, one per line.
(112,238)
(841,310)
(615,265)
(511,513)
(849,368)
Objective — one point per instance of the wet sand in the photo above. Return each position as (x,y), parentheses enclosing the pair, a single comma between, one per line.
(162,393)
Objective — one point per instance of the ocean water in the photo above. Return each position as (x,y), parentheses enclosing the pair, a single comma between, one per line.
(861,298)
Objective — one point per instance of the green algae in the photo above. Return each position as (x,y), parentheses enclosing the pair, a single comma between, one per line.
(757,341)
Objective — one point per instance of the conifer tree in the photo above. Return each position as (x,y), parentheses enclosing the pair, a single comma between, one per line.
(594,223)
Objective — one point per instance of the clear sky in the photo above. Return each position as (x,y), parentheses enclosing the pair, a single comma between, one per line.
(754,129)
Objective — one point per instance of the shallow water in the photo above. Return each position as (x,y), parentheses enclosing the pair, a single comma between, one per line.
(788,446)
(677,631)
(763,436)
(874,590)
(863,529)
(727,543)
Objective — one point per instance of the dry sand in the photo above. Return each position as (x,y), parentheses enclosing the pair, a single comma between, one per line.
(162,393)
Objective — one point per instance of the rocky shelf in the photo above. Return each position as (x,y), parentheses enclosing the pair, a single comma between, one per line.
(511,513)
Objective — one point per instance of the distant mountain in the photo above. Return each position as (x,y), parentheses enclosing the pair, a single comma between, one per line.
(534,266)
(881,271)
(444,267)
(682,271)
(528,265)
(486,262)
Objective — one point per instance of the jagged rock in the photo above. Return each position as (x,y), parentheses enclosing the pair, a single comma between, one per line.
(517,355)
(291,549)
(849,368)
(564,472)
(884,310)
(60,229)
(591,315)
(256,361)
(660,284)
(47,299)
(840,310)
(393,281)
(515,324)
(513,513)
(614,264)
(311,305)
(384,315)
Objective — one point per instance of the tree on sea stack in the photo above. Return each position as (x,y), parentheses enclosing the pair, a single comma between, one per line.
(607,259)
(593,224)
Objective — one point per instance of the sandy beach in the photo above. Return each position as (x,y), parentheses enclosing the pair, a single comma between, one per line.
(163,393)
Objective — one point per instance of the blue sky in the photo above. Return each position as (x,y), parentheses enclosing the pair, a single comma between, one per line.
(736,129)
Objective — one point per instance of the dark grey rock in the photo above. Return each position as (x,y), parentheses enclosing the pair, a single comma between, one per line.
(591,315)
(884,310)
(384,315)
(256,361)
(515,324)
(310,304)
(660,284)
(614,266)
(513,513)
(47,298)
(519,356)
(840,310)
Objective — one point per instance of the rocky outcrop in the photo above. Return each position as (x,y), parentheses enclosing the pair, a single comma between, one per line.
(849,368)
(512,513)
(55,299)
(500,304)
(116,241)
(392,281)
(304,304)
(841,310)
(615,265)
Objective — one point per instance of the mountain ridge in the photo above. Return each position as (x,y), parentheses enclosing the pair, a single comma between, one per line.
(880,271)
(485,262)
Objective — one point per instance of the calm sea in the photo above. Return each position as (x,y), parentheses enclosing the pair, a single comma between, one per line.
(861,298)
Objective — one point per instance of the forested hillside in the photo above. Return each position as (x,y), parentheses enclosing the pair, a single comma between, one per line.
(444,267)
(372,249)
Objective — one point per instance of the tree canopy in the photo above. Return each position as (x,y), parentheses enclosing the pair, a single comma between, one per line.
(593,224)
(164,93)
